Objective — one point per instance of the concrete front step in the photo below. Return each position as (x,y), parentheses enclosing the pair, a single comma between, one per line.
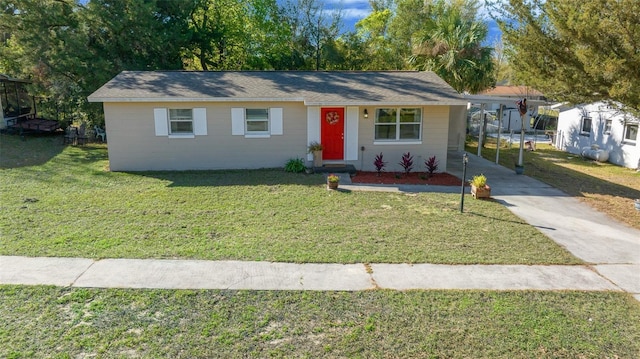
(335,168)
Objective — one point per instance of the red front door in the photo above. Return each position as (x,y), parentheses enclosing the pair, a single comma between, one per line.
(332,133)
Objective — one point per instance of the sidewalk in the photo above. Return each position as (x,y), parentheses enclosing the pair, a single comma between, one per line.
(610,249)
(194,274)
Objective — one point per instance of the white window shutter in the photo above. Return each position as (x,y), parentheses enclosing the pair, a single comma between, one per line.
(351,134)
(200,121)
(313,127)
(161,120)
(275,116)
(237,121)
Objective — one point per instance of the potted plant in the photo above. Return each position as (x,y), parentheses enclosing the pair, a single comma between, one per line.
(333,181)
(479,187)
(315,148)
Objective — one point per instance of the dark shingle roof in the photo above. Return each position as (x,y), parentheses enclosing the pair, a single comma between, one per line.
(314,88)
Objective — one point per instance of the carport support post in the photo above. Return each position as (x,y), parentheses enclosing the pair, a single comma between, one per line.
(499,130)
(465,160)
(520,153)
(481,132)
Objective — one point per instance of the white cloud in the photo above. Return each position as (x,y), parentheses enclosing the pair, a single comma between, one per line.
(354,13)
(349,3)
(351,10)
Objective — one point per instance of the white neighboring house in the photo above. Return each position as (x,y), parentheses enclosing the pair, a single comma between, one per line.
(599,124)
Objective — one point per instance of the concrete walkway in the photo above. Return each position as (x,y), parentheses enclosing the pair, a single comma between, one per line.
(611,250)
(194,274)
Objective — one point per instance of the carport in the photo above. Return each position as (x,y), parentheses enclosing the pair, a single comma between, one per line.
(504,102)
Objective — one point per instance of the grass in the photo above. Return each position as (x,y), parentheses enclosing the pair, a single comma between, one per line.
(608,188)
(71,206)
(117,323)
(62,201)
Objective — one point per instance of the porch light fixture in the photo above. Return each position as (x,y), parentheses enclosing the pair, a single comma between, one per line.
(366,113)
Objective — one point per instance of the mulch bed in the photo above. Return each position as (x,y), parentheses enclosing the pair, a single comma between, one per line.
(437,179)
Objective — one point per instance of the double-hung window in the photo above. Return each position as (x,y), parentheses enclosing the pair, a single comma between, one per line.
(398,124)
(630,132)
(607,127)
(585,126)
(257,121)
(180,121)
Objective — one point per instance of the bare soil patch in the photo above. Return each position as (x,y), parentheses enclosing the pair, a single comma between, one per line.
(436,179)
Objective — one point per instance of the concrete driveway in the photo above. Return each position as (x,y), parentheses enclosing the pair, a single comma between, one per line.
(609,247)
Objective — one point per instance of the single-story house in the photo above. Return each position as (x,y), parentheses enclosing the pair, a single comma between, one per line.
(187,120)
(513,92)
(600,126)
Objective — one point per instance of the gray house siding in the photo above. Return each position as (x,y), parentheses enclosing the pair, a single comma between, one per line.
(457,128)
(134,146)
(435,127)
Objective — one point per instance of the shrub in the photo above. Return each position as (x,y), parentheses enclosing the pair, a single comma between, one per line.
(295,165)
(379,163)
(407,162)
(431,164)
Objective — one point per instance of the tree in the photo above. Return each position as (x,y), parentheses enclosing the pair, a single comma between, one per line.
(575,51)
(134,34)
(450,44)
(269,30)
(314,30)
(503,70)
(380,51)
(41,36)
(217,35)
(69,49)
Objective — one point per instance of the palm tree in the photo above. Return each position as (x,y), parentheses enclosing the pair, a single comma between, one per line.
(451,46)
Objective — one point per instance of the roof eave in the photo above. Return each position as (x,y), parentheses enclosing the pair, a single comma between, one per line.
(388,103)
(452,102)
(190,99)
(499,100)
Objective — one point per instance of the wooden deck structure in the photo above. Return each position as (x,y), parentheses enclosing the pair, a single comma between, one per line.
(37,125)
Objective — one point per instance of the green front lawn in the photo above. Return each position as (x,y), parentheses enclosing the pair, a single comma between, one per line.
(63,202)
(50,322)
(70,205)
